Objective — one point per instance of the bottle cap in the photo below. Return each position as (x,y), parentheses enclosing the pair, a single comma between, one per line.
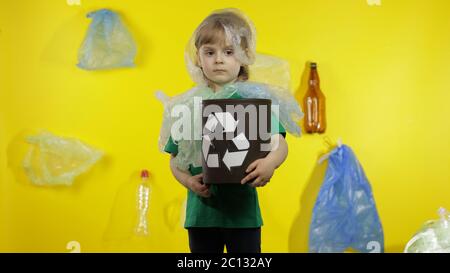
(313,65)
(144,174)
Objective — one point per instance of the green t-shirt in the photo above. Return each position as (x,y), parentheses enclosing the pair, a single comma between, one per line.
(230,205)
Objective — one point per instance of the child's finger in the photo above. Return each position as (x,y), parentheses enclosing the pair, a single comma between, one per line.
(257,182)
(201,194)
(199,190)
(197,185)
(249,177)
(199,176)
(205,193)
(252,166)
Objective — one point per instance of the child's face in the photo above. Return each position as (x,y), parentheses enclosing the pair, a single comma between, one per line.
(219,63)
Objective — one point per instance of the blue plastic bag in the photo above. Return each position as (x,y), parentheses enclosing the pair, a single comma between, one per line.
(344,215)
(107,44)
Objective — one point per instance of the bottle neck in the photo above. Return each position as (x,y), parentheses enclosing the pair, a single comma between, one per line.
(314,80)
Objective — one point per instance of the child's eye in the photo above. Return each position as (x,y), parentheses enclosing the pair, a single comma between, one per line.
(209,53)
(229,52)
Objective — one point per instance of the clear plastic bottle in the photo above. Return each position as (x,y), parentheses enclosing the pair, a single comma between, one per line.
(143,203)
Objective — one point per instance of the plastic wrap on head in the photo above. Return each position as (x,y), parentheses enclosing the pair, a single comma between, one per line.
(189,150)
(237,26)
(433,237)
(53,160)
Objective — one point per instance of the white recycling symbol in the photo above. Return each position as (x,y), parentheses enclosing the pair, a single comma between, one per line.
(229,124)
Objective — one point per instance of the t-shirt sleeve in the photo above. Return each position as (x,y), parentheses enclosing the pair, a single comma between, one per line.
(171,147)
(276,127)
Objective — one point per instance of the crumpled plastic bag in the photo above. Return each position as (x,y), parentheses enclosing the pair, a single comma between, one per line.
(107,44)
(433,237)
(271,70)
(344,215)
(189,150)
(53,160)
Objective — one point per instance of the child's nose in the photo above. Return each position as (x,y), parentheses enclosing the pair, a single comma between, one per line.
(219,58)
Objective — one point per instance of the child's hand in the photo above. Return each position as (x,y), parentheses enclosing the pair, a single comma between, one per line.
(194,183)
(261,169)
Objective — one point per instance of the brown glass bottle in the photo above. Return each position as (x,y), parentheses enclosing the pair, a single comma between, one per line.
(314,104)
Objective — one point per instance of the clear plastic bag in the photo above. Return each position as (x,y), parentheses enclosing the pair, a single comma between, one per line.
(345,215)
(433,237)
(271,70)
(107,44)
(189,150)
(53,160)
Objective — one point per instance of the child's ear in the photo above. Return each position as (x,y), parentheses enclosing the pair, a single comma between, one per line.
(197,60)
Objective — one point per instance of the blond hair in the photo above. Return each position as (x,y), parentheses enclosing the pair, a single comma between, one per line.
(214,29)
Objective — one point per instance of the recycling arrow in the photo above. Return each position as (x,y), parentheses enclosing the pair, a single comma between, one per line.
(211,123)
(227,121)
(229,124)
(241,142)
(205,146)
(232,159)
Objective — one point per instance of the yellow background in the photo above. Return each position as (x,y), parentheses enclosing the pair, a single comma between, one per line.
(384,70)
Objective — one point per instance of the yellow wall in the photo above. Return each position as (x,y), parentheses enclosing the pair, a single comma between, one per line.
(385,71)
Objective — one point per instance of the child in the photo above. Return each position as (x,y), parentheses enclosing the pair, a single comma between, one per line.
(218,58)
